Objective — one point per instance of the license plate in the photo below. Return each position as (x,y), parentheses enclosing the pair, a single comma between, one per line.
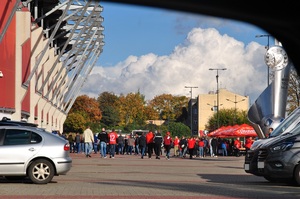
(260,165)
(246,167)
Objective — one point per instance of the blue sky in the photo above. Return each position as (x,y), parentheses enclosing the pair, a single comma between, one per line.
(146,47)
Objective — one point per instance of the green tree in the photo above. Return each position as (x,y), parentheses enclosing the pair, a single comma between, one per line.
(176,129)
(110,117)
(75,122)
(227,117)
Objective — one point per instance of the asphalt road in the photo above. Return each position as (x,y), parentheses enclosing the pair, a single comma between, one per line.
(131,177)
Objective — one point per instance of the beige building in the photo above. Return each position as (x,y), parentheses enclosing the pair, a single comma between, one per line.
(207,106)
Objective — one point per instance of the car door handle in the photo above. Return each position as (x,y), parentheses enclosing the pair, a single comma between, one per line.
(31,149)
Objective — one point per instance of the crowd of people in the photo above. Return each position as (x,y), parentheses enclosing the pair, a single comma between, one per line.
(153,144)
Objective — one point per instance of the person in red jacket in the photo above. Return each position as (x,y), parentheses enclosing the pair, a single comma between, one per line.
(112,138)
(150,144)
(201,145)
(167,144)
(176,146)
(248,143)
(236,146)
(191,146)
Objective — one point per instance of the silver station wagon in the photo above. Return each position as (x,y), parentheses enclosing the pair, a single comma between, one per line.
(27,151)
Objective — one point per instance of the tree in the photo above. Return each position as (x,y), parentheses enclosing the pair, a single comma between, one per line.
(132,108)
(107,99)
(110,117)
(176,129)
(88,105)
(169,107)
(75,122)
(293,100)
(227,117)
(109,106)
(88,109)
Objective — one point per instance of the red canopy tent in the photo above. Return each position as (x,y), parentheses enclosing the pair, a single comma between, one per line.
(243,130)
(215,132)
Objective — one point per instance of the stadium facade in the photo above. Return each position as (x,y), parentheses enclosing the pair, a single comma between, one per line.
(47,50)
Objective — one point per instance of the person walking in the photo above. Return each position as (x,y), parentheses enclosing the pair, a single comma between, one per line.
(167,144)
(176,146)
(191,145)
(201,145)
(136,144)
(158,140)
(183,147)
(214,146)
(142,144)
(77,142)
(103,137)
(149,140)
(88,137)
(95,146)
(71,142)
(130,145)
(112,137)
(120,141)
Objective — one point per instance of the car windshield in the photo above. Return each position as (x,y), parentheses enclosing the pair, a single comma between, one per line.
(288,124)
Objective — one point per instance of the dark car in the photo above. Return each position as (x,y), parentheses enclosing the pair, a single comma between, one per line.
(276,158)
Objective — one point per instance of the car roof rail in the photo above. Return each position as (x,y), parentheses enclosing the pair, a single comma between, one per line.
(8,122)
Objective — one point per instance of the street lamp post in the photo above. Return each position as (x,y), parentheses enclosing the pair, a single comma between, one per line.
(267,47)
(218,102)
(191,91)
(235,102)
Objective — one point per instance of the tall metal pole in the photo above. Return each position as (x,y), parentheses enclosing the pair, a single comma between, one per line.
(218,102)
(267,47)
(191,87)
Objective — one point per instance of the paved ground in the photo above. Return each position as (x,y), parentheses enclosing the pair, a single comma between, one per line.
(132,177)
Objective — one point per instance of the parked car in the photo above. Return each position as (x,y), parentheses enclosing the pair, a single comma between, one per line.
(27,151)
(8,122)
(277,158)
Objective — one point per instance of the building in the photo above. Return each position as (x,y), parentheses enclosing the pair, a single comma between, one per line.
(48,48)
(205,105)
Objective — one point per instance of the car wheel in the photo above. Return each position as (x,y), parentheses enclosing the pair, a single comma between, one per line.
(297,175)
(41,171)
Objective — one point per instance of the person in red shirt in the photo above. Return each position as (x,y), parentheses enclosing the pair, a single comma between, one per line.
(150,144)
(176,146)
(236,146)
(191,146)
(167,144)
(112,138)
(201,145)
(248,143)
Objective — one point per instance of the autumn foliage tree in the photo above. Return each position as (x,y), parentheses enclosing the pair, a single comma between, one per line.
(85,111)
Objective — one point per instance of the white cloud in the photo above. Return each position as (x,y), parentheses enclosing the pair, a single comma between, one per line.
(187,65)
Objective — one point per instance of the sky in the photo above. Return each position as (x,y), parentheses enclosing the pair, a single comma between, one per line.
(156,51)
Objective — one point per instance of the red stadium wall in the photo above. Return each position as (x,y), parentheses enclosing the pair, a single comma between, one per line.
(7,56)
